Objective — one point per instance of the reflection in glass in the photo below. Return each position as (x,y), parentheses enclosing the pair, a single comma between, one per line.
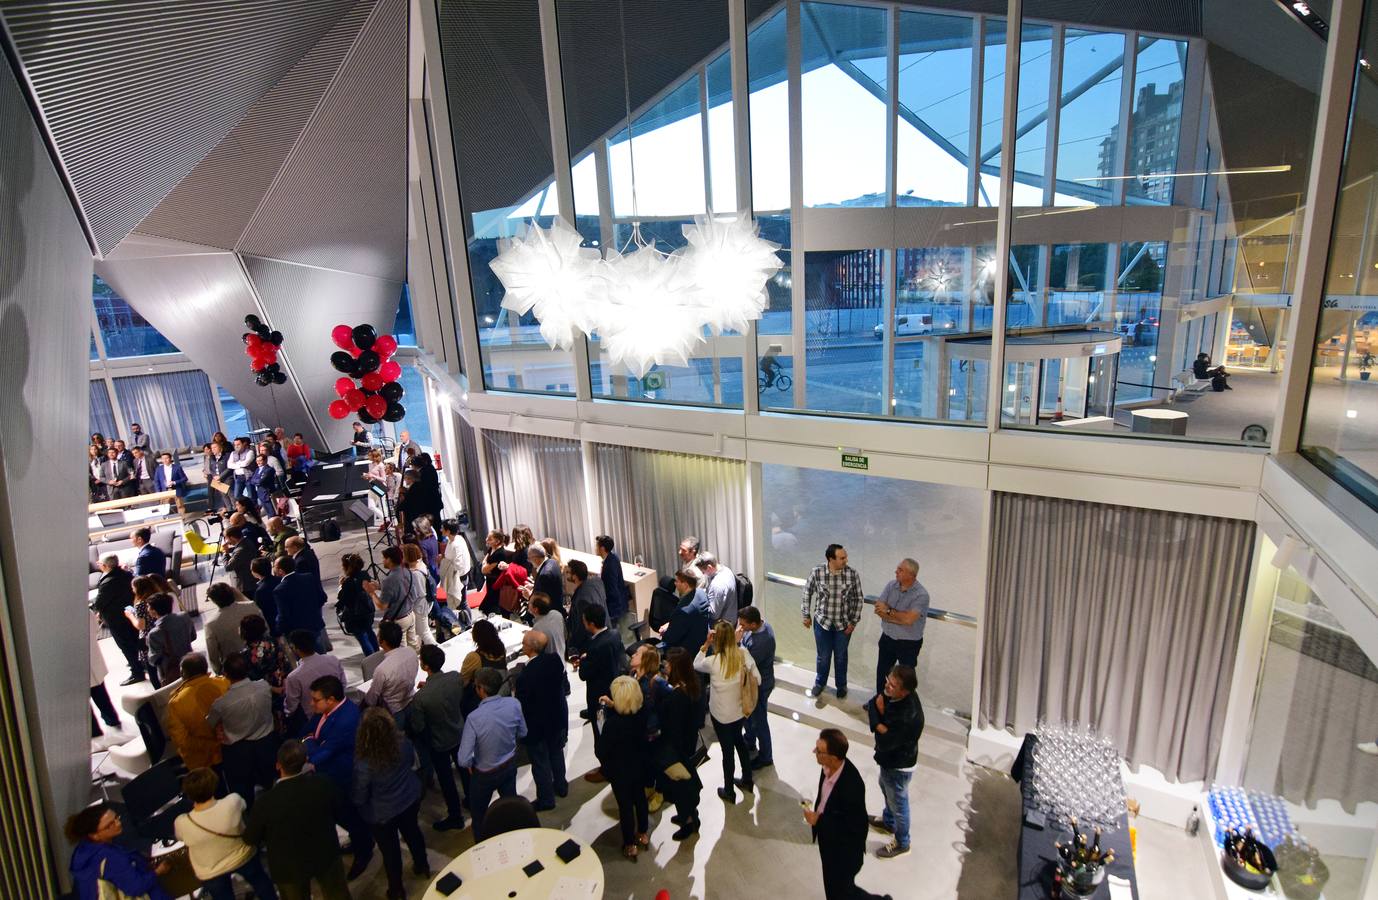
(402,327)
(1088,122)
(844,299)
(722,154)
(933,134)
(124,331)
(1159,82)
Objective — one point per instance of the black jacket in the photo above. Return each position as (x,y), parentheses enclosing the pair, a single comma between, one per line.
(680,721)
(898,747)
(241,556)
(622,748)
(604,659)
(299,598)
(841,830)
(354,605)
(113,593)
(541,689)
(551,582)
(688,625)
(296,817)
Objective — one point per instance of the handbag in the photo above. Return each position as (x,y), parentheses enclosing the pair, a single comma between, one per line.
(180,878)
(107,891)
(751,693)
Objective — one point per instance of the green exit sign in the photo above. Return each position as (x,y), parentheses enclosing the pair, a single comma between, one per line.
(853,461)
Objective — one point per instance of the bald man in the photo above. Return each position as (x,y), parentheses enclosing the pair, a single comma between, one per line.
(541,689)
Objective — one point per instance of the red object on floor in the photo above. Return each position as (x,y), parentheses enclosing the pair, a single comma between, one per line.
(475,598)
(663,894)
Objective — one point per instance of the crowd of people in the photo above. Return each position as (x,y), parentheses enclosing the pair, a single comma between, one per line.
(279,752)
(118,469)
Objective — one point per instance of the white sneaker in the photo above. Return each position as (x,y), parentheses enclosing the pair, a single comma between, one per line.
(1369,747)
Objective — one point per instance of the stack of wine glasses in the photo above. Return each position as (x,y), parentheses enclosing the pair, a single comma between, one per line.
(1076,775)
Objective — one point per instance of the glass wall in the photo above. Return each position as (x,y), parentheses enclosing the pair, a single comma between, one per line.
(1340,432)
(237,419)
(938,526)
(402,327)
(124,331)
(417,420)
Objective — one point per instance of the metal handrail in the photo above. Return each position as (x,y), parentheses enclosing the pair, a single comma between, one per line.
(938,615)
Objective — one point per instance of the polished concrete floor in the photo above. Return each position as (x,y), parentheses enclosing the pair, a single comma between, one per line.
(964,831)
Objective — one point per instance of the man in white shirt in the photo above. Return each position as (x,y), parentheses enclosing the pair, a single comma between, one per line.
(242,464)
(394,681)
(721,587)
(143,470)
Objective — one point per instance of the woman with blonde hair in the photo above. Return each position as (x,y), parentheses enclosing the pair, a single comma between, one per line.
(387,792)
(621,749)
(726,667)
(552,550)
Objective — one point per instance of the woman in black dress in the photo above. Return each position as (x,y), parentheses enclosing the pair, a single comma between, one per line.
(494,562)
(681,717)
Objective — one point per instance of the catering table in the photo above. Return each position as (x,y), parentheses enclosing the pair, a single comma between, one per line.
(460,646)
(1159,421)
(641,580)
(495,869)
(1038,857)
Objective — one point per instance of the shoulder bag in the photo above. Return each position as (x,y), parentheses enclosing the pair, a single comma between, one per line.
(750,687)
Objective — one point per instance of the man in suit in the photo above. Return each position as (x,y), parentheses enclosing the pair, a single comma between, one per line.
(123,453)
(261,567)
(150,560)
(142,471)
(138,438)
(435,719)
(113,594)
(838,818)
(588,592)
(330,747)
(603,659)
(296,818)
(222,631)
(299,600)
(305,559)
(404,444)
(116,476)
(540,687)
(614,585)
(239,556)
(549,580)
(688,624)
(168,476)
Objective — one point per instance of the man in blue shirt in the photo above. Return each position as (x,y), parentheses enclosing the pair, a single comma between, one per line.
(614,586)
(488,748)
(756,635)
(903,610)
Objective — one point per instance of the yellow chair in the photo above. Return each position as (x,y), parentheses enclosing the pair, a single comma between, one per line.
(199,547)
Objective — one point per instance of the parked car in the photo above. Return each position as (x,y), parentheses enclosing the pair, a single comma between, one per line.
(906,325)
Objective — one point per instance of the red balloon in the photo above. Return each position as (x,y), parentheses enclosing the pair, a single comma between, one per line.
(354,351)
(376,406)
(390,371)
(372,381)
(344,386)
(355,398)
(338,409)
(385,346)
(343,336)
(254,342)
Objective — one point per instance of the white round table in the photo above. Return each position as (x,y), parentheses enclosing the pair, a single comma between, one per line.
(493,869)
(1159,421)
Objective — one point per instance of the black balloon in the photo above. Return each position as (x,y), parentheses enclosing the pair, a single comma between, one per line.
(263,331)
(272,367)
(368,393)
(366,417)
(342,362)
(279,378)
(275,338)
(252,322)
(392,392)
(246,335)
(396,412)
(364,336)
(368,361)
(263,379)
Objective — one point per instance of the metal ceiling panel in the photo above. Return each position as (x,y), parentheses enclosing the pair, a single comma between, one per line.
(199,303)
(215,203)
(341,200)
(137,92)
(305,303)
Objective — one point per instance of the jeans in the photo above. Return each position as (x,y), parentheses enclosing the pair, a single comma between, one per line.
(368,641)
(386,834)
(444,763)
(891,651)
(894,787)
(222,888)
(731,738)
(831,645)
(482,785)
(548,768)
(758,729)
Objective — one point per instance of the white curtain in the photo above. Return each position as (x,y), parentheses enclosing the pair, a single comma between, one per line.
(102,416)
(647,500)
(175,409)
(536,481)
(1121,618)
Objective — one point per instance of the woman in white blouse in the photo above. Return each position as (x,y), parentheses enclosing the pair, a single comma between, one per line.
(726,668)
(376,473)
(455,563)
(212,832)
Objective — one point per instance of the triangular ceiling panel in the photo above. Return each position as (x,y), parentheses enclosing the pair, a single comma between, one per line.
(214,204)
(135,93)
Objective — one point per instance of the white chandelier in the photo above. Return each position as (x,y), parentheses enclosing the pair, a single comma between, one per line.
(645,306)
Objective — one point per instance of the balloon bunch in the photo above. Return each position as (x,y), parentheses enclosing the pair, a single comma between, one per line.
(366,355)
(261,345)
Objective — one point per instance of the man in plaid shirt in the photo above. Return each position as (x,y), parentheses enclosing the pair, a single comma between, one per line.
(832,607)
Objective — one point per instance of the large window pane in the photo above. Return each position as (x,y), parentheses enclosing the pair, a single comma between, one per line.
(175,409)
(1159,77)
(844,91)
(1031,141)
(417,420)
(402,327)
(1088,123)
(666,145)
(124,331)
(992,111)
(102,414)
(769,107)
(933,133)
(844,294)
(722,154)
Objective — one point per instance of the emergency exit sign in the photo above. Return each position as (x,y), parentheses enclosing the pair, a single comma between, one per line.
(854,461)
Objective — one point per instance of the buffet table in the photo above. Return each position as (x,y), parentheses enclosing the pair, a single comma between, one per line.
(522,864)
(641,580)
(1038,857)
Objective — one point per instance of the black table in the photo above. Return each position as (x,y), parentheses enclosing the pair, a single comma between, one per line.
(1037,855)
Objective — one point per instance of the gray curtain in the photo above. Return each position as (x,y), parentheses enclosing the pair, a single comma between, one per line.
(1125,619)
(473,475)
(175,409)
(537,481)
(102,415)
(647,500)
